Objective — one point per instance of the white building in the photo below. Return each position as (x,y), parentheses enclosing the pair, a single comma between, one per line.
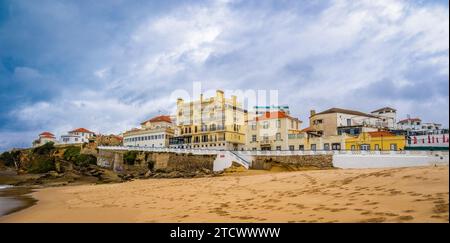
(417,140)
(154,133)
(409,124)
(79,135)
(44,138)
(388,117)
(415,125)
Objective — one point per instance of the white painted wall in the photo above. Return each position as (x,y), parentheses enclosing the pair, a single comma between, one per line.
(346,161)
(433,140)
(222,161)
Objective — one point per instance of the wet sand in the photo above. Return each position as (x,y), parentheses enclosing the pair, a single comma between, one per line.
(13,199)
(415,194)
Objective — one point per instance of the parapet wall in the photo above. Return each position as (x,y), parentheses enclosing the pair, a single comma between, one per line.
(293,162)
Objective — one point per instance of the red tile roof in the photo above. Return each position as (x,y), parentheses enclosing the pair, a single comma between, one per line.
(46,134)
(381,134)
(274,115)
(308,129)
(81,130)
(163,118)
(410,119)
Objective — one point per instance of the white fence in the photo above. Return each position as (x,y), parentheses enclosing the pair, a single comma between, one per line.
(341,159)
(275,153)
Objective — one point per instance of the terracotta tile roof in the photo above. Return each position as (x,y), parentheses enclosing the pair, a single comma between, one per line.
(381,134)
(163,118)
(409,119)
(273,115)
(345,111)
(46,134)
(308,129)
(81,130)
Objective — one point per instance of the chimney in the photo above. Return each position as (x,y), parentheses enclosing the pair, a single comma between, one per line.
(312,113)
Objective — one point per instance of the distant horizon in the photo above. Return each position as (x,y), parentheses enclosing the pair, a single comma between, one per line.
(107,66)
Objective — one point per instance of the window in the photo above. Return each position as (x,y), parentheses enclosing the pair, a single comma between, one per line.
(301,147)
(266,125)
(253,138)
(278,148)
(291,147)
(253,126)
(393,147)
(313,147)
(336,146)
(278,123)
(365,147)
(278,136)
(353,148)
(377,147)
(326,146)
(349,122)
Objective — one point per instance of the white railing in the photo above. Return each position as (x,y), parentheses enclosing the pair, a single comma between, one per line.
(274,153)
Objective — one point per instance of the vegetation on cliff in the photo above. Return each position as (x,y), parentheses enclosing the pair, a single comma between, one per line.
(73,154)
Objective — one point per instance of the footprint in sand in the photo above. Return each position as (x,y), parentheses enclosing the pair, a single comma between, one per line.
(405,218)
(374,220)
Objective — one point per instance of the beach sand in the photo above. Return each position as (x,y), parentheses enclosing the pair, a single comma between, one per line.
(414,194)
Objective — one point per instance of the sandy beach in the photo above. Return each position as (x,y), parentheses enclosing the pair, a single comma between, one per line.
(414,194)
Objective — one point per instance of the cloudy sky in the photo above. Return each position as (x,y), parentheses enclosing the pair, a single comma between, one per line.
(108,65)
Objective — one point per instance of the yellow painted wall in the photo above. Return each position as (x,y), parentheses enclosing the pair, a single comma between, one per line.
(384,143)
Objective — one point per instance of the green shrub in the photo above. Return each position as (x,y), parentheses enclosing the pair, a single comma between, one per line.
(44,149)
(85,160)
(130,157)
(8,158)
(42,164)
(71,153)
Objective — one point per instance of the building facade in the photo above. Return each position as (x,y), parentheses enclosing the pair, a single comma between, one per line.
(79,135)
(425,140)
(271,131)
(155,133)
(210,123)
(388,117)
(376,141)
(337,121)
(44,138)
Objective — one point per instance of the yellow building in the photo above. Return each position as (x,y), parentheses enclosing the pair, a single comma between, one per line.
(381,140)
(210,123)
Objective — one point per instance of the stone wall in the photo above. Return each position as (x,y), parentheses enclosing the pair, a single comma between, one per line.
(160,161)
(294,162)
(187,162)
